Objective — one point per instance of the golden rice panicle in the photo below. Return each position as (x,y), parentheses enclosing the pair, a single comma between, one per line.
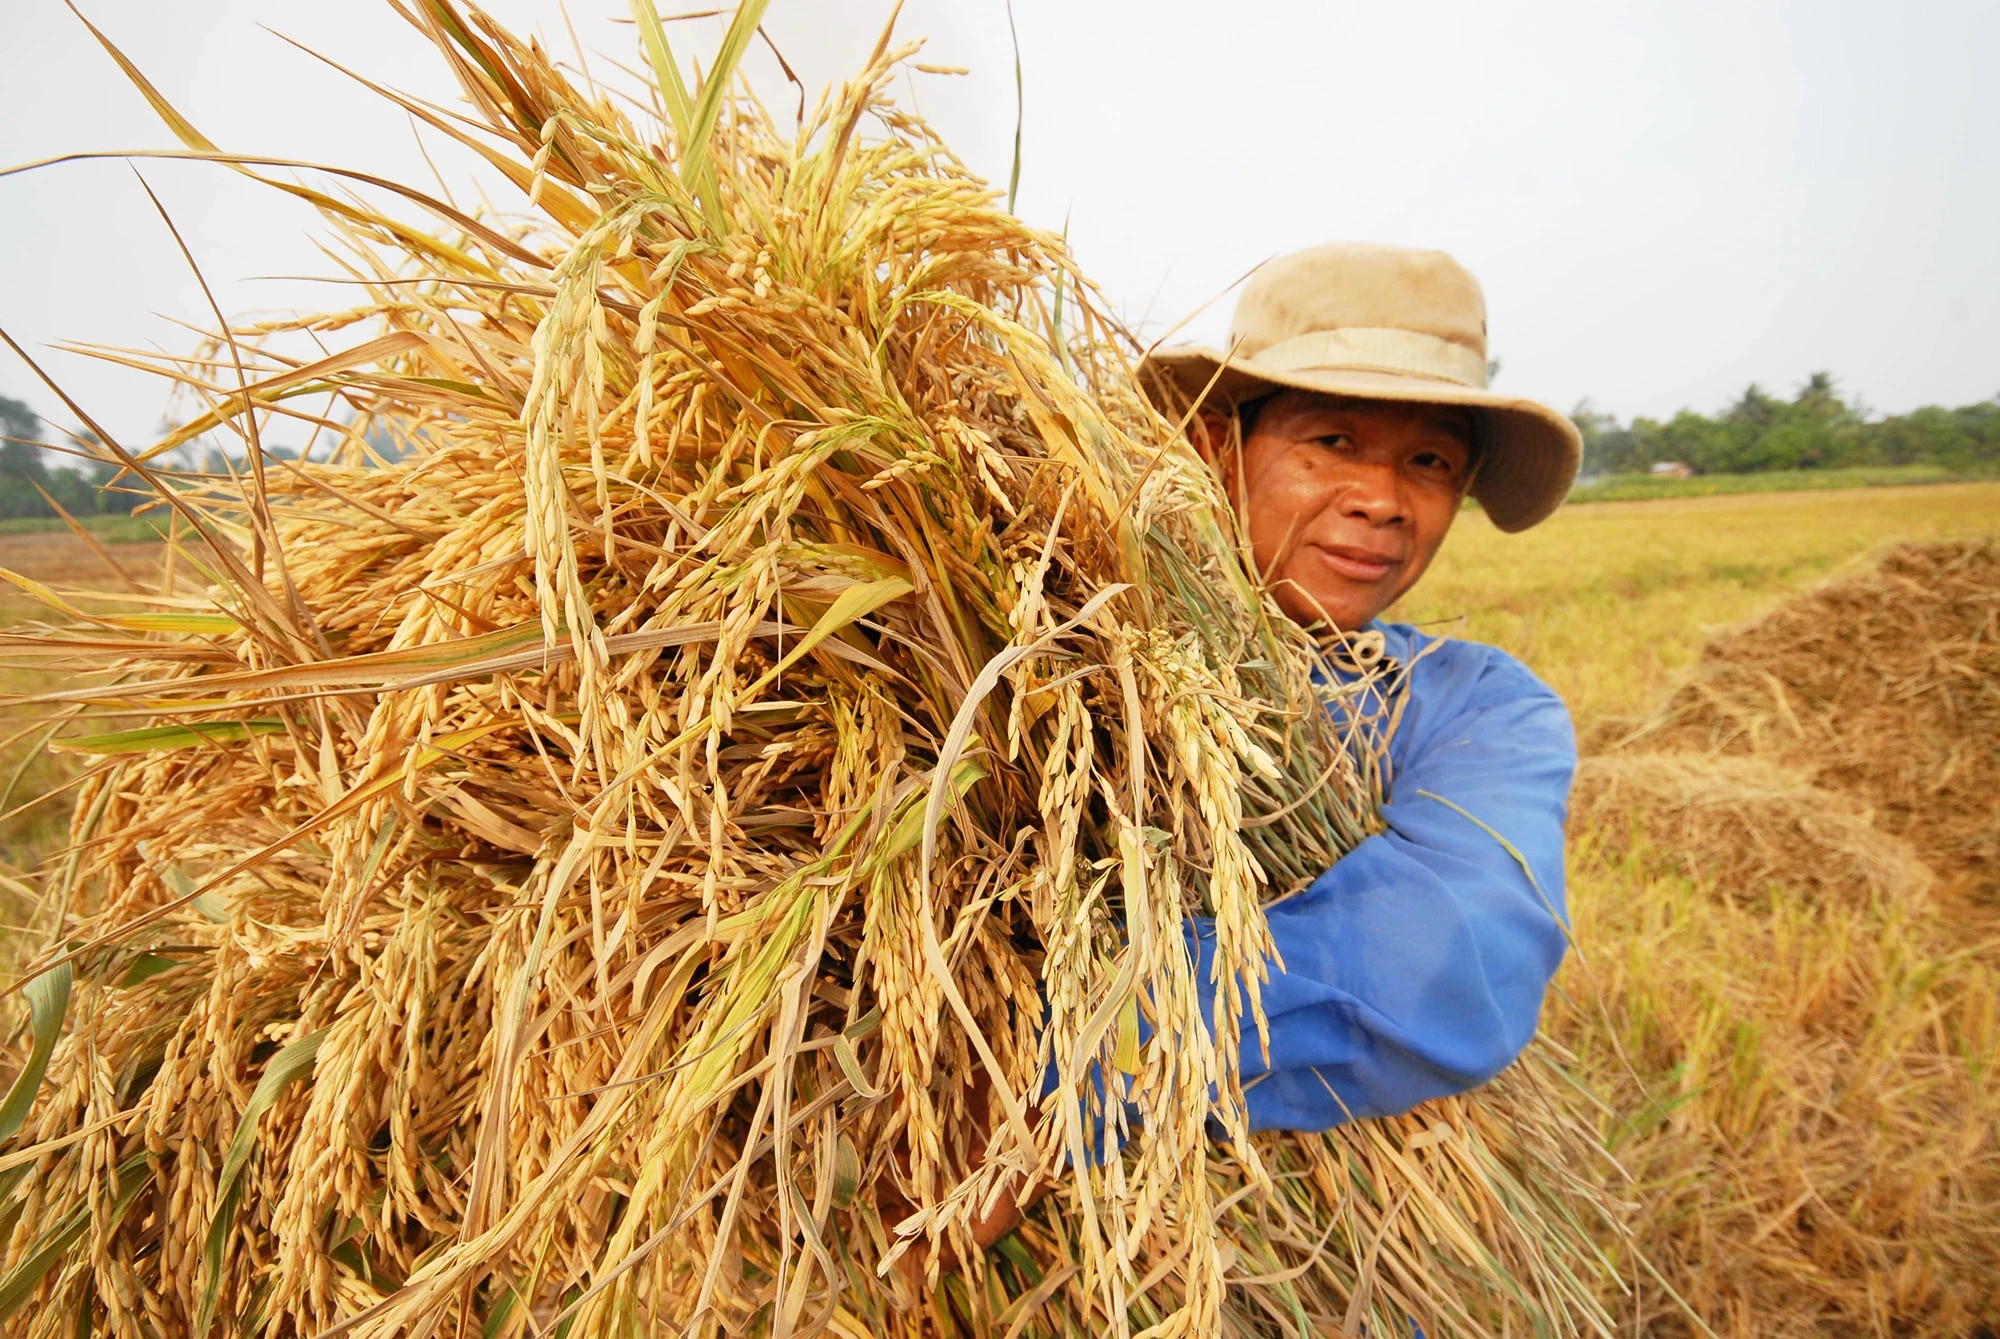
(744,695)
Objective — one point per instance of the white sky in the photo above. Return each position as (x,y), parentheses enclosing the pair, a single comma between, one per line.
(1664,201)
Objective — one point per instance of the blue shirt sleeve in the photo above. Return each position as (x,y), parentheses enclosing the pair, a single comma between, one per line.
(1416,966)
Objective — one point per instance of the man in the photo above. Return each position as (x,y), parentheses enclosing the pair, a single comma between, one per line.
(1348,421)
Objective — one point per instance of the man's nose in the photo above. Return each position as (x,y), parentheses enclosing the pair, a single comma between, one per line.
(1373,493)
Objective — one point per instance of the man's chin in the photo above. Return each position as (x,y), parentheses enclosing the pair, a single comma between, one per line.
(1343,610)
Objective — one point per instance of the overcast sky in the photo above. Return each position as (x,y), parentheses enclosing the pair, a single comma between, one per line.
(1664,202)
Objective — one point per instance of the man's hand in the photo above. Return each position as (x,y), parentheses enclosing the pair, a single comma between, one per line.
(988,1228)
(1006,1216)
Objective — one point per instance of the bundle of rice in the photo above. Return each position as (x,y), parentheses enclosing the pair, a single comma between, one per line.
(1740,827)
(744,696)
(1879,684)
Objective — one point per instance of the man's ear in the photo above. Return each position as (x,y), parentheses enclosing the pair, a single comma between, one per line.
(1210,433)
(1214,438)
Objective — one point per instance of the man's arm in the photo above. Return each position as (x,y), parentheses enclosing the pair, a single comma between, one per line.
(1416,966)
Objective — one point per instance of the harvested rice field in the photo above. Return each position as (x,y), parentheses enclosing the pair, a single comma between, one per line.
(1611,601)
(34,809)
(1783,889)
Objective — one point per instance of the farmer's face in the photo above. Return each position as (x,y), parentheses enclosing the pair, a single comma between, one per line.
(1345,501)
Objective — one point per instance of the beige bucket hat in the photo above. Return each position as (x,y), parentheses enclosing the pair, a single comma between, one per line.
(1381,323)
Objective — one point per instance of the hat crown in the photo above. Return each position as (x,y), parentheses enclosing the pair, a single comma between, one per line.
(1361,286)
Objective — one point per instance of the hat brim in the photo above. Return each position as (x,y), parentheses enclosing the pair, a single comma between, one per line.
(1529,452)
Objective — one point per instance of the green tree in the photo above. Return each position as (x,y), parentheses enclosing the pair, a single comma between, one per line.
(25,472)
(1817,428)
(18,422)
(1755,409)
(1695,438)
(21,467)
(1607,447)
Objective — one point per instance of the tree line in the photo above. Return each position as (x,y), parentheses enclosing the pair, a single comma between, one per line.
(1815,429)
(29,469)
(26,473)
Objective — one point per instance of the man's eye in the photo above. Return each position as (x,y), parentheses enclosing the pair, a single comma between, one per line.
(1434,462)
(1335,441)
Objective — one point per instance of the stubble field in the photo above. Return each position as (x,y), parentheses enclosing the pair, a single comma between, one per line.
(1785,987)
(1609,601)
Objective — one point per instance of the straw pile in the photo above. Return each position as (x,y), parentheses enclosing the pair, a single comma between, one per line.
(599,844)
(1880,686)
(1799,1022)
(1741,827)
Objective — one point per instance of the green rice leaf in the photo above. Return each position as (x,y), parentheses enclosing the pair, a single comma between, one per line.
(48,1002)
(145,967)
(164,738)
(696,172)
(908,822)
(286,1067)
(133,1175)
(856,602)
(501,1312)
(846,1171)
(1020,110)
(464,388)
(863,1025)
(211,907)
(673,90)
(197,625)
(850,1065)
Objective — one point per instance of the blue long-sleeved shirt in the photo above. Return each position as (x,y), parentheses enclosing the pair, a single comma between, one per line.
(1415,967)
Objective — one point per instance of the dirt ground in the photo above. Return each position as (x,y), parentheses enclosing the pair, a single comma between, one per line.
(59,558)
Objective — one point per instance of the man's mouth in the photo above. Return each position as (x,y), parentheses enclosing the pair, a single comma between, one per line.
(1364,565)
